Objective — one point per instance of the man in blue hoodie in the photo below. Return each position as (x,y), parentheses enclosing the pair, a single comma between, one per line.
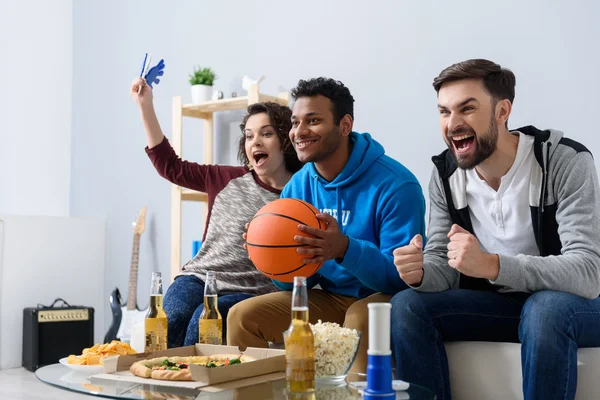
(371,204)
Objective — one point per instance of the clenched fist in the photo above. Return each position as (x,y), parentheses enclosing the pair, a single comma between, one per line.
(409,261)
(466,256)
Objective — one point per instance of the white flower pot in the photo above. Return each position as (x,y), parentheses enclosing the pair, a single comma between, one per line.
(201,93)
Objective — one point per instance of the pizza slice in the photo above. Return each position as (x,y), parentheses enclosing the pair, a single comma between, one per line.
(170,368)
(177,368)
(222,360)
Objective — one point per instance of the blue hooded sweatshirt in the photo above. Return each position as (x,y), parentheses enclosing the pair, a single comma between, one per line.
(378,203)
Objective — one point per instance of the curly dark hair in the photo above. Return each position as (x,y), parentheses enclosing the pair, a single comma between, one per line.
(281,119)
(340,96)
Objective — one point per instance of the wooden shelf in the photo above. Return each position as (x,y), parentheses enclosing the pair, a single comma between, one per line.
(187,194)
(203,110)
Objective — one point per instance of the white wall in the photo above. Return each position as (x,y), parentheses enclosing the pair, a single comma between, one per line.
(43,258)
(35,106)
(386,52)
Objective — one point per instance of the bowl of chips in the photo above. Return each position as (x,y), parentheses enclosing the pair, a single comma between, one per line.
(91,359)
(92,369)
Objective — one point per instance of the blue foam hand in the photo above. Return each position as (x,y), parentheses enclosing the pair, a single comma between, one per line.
(154,72)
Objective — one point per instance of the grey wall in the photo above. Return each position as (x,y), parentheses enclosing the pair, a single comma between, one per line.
(386,52)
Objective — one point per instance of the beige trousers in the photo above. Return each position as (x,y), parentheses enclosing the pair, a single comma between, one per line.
(357,317)
(259,320)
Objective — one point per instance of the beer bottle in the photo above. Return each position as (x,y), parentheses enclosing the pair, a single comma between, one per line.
(156,319)
(210,324)
(300,343)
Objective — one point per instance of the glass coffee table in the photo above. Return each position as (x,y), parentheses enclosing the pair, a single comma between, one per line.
(60,376)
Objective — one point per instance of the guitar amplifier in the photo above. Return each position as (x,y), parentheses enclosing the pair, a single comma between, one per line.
(51,333)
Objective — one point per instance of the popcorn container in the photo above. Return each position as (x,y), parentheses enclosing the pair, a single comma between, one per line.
(335,351)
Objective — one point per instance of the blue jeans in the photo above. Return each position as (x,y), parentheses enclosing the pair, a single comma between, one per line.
(550,325)
(183,304)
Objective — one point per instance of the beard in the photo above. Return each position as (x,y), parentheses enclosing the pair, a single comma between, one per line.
(485,145)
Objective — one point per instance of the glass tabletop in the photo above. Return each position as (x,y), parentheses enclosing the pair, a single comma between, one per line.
(60,376)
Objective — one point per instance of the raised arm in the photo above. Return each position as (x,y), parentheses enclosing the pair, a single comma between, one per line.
(191,175)
(154,134)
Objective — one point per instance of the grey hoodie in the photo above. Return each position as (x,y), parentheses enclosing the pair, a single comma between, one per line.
(564,199)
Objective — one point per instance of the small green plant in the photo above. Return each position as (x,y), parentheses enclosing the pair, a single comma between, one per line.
(202,76)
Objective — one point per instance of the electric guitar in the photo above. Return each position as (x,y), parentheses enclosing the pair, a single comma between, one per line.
(126,316)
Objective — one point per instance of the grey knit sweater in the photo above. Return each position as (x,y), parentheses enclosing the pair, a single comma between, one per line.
(235,194)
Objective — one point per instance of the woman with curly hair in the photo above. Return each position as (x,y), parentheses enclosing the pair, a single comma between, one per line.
(235,194)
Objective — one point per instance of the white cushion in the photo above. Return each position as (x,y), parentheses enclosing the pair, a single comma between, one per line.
(486,370)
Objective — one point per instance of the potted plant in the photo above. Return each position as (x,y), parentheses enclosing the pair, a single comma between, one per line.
(202,80)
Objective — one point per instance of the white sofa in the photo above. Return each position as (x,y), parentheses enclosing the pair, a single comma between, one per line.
(485,370)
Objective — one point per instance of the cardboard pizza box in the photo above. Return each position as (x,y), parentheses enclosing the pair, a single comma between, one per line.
(267,361)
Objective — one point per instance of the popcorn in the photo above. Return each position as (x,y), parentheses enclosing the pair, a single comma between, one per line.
(335,348)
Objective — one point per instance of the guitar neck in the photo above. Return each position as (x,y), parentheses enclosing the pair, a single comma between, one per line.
(133,273)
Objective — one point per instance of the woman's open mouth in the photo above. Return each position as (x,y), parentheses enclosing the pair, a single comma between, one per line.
(260,158)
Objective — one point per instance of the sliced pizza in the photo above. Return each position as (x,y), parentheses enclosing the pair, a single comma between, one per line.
(222,360)
(177,368)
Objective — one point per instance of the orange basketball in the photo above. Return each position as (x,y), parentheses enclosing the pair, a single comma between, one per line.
(270,239)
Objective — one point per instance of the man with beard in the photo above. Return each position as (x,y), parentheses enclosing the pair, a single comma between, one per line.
(370,205)
(512,252)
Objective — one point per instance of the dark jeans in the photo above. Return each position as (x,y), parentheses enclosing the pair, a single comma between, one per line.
(550,325)
(184,302)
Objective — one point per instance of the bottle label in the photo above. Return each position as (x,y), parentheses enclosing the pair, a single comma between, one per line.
(210,331)
(156,334)
(300,369)
(299,362)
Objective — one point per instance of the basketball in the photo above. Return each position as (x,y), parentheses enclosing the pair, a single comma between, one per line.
(270,239)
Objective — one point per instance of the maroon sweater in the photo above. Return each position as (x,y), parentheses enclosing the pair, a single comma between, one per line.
(235,194)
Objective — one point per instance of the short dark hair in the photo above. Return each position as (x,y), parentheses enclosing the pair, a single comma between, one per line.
(499,82)
(280,117)
(340,96)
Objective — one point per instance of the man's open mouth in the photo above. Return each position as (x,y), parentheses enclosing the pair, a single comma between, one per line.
(463,143)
